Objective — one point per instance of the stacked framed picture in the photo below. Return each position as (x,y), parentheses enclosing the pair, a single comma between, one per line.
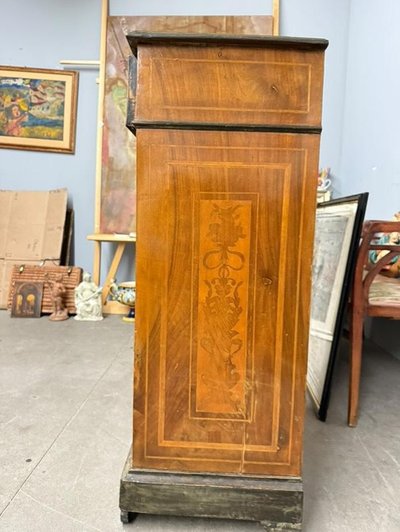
(337,235)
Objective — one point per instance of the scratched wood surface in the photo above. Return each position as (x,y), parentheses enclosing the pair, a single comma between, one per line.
(224,248)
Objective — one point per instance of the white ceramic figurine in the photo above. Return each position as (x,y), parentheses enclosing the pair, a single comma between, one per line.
(88,300)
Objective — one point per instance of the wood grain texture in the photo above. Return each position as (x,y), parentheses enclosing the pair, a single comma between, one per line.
(214,24)
(223,296)
(224,246)
(266,84)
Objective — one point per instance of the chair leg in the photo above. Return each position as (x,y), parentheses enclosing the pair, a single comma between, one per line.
(356,338)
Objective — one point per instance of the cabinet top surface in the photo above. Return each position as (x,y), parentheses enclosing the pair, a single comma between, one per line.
(261,41)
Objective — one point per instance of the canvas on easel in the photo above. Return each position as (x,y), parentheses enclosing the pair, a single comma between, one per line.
(115,206)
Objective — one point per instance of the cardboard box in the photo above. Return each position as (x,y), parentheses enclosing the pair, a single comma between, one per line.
(32,224)
(31,230)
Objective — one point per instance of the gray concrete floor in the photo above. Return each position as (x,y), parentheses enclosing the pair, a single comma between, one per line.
(65,432)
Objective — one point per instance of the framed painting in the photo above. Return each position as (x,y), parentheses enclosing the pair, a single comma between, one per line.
(337,235)
(27,299)
(38,109)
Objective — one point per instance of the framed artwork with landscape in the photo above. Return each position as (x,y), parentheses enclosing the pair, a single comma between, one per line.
(38,109)
(337,236)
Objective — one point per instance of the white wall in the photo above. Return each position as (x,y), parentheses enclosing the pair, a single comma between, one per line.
(328,19)
(371,136)
(39,34)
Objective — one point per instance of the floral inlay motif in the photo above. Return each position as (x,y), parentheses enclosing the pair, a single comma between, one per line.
(222,307)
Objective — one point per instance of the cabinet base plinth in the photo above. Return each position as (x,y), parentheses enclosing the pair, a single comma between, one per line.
(276,503)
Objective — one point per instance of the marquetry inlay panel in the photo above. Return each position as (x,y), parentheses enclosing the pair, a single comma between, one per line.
(267,86)
(220,368)
(224,256)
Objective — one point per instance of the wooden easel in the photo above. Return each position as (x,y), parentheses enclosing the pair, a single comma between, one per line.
(110,307)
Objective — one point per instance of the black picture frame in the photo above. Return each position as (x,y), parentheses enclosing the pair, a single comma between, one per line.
(337,236)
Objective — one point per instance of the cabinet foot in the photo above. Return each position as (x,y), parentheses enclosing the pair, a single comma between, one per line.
(127,517)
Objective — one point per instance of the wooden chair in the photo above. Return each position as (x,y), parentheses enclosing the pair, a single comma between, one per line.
(373,294)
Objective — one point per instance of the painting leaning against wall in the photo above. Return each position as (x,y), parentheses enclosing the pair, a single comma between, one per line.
(38,109)
(117,213)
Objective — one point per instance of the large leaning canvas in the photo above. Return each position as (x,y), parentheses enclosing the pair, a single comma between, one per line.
(118,188)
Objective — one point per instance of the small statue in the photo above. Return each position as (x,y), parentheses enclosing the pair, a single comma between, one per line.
(58,292)
(88,300)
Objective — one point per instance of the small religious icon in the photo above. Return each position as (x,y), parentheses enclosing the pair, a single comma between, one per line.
(27,299)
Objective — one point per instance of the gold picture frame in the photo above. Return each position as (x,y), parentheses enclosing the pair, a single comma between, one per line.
(38,109)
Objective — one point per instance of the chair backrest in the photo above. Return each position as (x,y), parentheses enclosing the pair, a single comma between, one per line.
(376,288)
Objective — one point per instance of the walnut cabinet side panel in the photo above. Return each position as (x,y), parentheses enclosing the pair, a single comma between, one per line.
(224,249)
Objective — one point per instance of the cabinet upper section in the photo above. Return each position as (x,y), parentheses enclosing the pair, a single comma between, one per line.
(226,82)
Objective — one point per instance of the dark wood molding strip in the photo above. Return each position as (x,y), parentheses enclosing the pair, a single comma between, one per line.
(259,41)
(211,126)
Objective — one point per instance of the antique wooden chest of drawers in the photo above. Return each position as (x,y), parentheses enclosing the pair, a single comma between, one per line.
(227,161)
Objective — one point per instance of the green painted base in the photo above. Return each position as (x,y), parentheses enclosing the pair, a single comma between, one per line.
(276,503)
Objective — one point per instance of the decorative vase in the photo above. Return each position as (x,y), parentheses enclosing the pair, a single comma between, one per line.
(125,293)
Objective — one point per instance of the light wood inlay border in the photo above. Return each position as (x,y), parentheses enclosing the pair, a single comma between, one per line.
(158,64)
(263,450)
